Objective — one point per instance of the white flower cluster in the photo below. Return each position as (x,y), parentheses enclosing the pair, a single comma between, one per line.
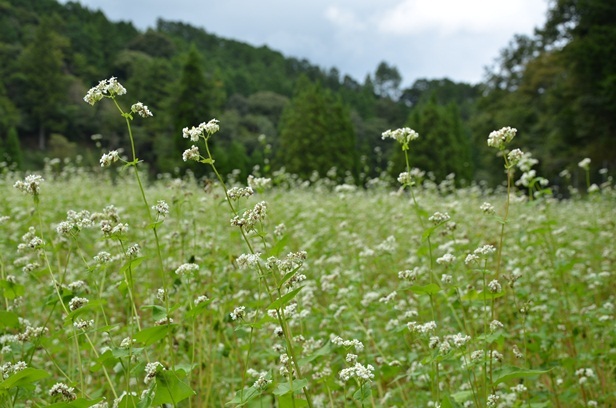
(237,313)
(402,135)
(30,185)
(250,218)
(414,327)
(439,218)
(259,183)
(235,193)
(63,390)
(409,275)
(494,286)
(161,208)
(446,259)
(515,156)
(487,208)
(339,341)
(365,373)
(186,268)
(500,138)
(584,374)
(8,369)
(191,154)
(245,261)
(141,110)
(584,164)
(77,302)
(151,369)
(203,129)
(83,324)
(105,88)
(108,158)
(477,253)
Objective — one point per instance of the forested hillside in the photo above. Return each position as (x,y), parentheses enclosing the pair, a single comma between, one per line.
(558,87)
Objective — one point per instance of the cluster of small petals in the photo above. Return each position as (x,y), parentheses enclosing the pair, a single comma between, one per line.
(495,325)
(405,178)
(487,208)
(492,400)
(359,371)
(186,268)
(235,193)
(83,324)
(77,303)
(439,218)
(194,133)
(245,261)
(408,274)
(141,109)
(30,185)
(262,382)
(422,328)
(500,138)
(259,183)
(8,369)
(151,369)
(161,208)
(515,156)
(459,339)
(237,313)
(250,218)
(446,259)
(584,164)
(470,258)
(485,250)
(339,341)
(108,158)
(60,389)
(584,374)
(494,286)
(402,135)
(105,88)
(191,154)
(200,299)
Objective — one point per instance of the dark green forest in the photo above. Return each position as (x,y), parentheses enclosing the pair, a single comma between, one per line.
(557,86)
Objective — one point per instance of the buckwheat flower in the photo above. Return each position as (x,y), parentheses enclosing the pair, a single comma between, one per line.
(485,250)
(593,188)
(151,369)
(262,382)
(161,208)
(65,228)
(108,158)
(447,279)
(405,179)
(439,218)
(414,327)
(245,261)
(495,325)
(388,298)
(235,193)
(133,250)
(186,268)
(519,388)
(200,299)
(212,126)
(30,185)
(409,275)
(351,358)
(238,313)
(105,88)
(127,342)
(102,258)
(487,208)
(515,156)
(434,342)
(497,356)
(141,110)
(77,302)
(494,286)
(584,164)
(500,138)
(259,183)
(492,400)
(477,355)
(83,324)
(444,347)
(63,390)
(516,352)
(446,259)
(471,258)
(358,371)
(403,135)
(191,154)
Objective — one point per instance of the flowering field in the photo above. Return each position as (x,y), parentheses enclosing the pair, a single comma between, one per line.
(277,292)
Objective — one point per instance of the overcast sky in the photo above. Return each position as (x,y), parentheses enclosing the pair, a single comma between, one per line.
(422,38)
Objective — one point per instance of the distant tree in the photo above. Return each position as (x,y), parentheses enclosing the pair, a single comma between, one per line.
(387,81)
(12,149)
(316,133)
(44,84)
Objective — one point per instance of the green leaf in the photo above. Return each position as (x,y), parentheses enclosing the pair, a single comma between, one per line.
(278,246)
(363,393)
(323,351)
(448,402)
(94,304)
(429,289)
(23,377)
(481,295)
(290,401)
(244,396)
(158,312)
(132,264)
(283,300)
(9,319)
(509,373)
(206,161)
(153,334)
(462,396)
(11,290)
(170,389)
(78,403)
(285,388)
(288,276)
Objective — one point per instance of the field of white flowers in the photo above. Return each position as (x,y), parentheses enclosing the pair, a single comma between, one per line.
(272,292)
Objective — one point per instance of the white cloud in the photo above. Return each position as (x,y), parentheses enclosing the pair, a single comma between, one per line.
(344,19)
(446,17)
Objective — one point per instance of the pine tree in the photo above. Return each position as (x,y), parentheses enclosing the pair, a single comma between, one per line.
(316,133)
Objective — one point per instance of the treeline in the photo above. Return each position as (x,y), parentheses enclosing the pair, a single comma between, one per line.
(557,87)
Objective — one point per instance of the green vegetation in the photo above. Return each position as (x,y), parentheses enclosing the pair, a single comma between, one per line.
(556,86)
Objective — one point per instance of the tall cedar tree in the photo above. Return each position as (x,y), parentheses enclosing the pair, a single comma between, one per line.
(44,84)
(316,133)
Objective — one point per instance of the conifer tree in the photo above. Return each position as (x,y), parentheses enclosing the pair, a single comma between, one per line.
(316,133)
